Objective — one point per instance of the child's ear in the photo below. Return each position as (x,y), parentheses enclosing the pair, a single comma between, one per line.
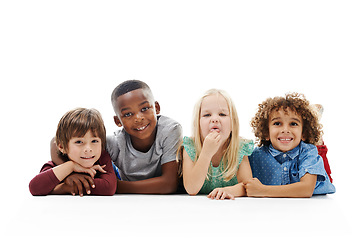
(61,149)
(303,138)
(117,121)
(267,137)
(157,107)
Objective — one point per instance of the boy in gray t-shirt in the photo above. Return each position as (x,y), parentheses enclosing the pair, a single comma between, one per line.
(144,150)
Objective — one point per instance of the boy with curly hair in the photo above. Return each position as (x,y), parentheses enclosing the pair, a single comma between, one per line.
(286,163)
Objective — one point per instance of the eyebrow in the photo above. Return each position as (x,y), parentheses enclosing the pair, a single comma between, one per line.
(296,120)
(293,119)
(144,102)
(127,108)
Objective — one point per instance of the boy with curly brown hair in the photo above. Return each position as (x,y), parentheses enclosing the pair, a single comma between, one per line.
(286,163)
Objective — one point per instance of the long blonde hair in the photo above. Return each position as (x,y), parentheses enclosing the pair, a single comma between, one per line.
(230,157)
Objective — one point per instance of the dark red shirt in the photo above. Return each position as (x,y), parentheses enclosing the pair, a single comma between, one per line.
(322,149)
(105,183)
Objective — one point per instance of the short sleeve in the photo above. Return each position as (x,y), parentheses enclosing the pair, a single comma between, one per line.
(189,147)
(171,144)
(311,162)
(246,148)
(112,147)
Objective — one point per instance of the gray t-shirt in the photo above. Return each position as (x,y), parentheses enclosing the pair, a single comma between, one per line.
(135,165)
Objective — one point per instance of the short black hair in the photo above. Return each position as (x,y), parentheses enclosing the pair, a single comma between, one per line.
(125,87)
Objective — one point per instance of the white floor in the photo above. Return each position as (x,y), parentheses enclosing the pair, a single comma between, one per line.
(179,216)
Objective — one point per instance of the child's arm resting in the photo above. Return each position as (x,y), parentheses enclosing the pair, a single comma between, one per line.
(43,183)
(105,182)
(237,190)
(194,174)
(302,189)
(164,184)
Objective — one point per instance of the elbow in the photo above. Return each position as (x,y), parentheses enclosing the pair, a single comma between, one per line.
(109,191)
(192,194)
(35,190)
(110,188)
(191,191)
(308,195)
(170,187)
(308,192)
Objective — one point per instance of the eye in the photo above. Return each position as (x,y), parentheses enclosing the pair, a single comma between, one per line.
(78,142)
(127,114)
(144,109)
(95,141)
(222,114)
(207,115)
(294,124)
(277,123)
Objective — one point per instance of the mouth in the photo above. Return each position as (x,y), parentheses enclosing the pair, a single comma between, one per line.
(139,129)
(215,129)
(88,158)
(285,140)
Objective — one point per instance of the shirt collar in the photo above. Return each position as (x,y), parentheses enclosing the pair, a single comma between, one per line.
(293,153)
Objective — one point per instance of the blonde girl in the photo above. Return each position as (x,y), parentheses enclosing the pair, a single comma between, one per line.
(214,159)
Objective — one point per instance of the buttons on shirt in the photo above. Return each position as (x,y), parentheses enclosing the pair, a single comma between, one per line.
(284,156)
(285,168)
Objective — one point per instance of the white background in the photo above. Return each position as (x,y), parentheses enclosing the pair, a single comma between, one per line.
(58,55)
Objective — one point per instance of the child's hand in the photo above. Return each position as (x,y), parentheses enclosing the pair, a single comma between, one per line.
(91,171)
(78,183)
(254,188)
(212,143)
(220,193)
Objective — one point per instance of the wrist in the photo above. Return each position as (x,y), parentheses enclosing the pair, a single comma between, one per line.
(71,165)
(206,155)
(239,190)
(266,190)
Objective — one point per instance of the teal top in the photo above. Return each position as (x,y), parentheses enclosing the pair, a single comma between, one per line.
(216,179)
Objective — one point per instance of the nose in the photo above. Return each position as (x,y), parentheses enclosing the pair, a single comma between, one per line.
(214,119)
(285,130)
(139,118)
(87,149)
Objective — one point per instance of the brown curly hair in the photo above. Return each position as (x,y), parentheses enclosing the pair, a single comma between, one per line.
(295,102)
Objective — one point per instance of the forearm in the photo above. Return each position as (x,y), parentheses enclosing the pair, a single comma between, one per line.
(43,183)
(237,190)
(60,189)
(156,185)
(194,178)
(63,170)
(105,185)
(294,190)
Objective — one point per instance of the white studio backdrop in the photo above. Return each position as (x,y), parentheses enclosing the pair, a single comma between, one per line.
(58,55)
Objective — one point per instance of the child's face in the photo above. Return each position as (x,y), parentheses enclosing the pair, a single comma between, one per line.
(215,116)
(285,130)
(84,150)
(137,114)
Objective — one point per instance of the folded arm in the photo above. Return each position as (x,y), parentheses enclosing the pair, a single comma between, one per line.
(302,189)
(237,190)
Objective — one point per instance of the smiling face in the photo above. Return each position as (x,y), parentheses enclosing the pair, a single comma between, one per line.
(84,150)
(137,114)
(215,116)
(285,129)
